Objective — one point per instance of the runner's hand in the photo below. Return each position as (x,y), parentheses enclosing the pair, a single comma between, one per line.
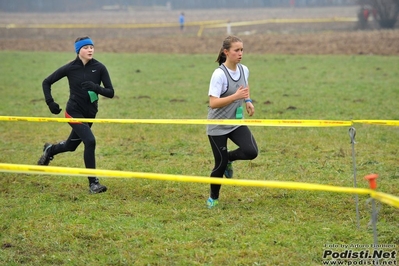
(54,108)
(90,86)
(250,108)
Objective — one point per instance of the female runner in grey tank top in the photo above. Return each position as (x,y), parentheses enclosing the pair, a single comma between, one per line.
(228,92)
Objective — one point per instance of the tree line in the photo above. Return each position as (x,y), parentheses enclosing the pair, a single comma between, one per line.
(85,5)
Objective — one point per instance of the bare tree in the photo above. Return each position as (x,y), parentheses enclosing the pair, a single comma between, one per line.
(384,11)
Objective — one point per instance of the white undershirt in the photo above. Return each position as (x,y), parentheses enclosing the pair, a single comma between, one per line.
(218,83)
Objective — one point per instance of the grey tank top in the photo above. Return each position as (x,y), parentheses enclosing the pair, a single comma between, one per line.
(228,111)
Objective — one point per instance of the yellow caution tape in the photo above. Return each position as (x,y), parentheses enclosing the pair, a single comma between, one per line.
(386,198)
(107,26)
(379,122)
(252,122)
(276,21)
(34,169)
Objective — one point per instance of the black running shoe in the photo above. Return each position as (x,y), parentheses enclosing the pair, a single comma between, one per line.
(97,188)
(46,158)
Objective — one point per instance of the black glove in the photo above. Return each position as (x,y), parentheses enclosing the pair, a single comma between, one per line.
(54,108)
(90,86)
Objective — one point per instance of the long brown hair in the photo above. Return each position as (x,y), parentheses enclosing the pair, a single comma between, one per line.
(226,45)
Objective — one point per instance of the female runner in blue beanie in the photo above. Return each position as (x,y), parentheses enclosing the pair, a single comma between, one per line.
(84,74)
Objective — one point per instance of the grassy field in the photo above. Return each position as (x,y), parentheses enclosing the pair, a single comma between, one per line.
(53,220)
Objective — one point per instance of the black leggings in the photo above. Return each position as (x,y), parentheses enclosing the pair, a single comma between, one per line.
(80,132)
(247,150)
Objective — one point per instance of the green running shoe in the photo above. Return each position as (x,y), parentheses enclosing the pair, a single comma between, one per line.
(229,170)
(212,203)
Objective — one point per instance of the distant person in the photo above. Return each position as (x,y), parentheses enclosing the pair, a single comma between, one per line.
(363,16)
(182,21)
(228,91)
(366,14)
(85,74)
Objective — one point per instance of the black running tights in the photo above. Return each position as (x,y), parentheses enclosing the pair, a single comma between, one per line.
(80,132)
(247,150)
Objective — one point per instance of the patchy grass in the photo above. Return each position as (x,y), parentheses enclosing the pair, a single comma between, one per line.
(52,220)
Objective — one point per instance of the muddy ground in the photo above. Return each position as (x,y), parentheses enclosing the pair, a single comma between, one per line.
(118,31)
